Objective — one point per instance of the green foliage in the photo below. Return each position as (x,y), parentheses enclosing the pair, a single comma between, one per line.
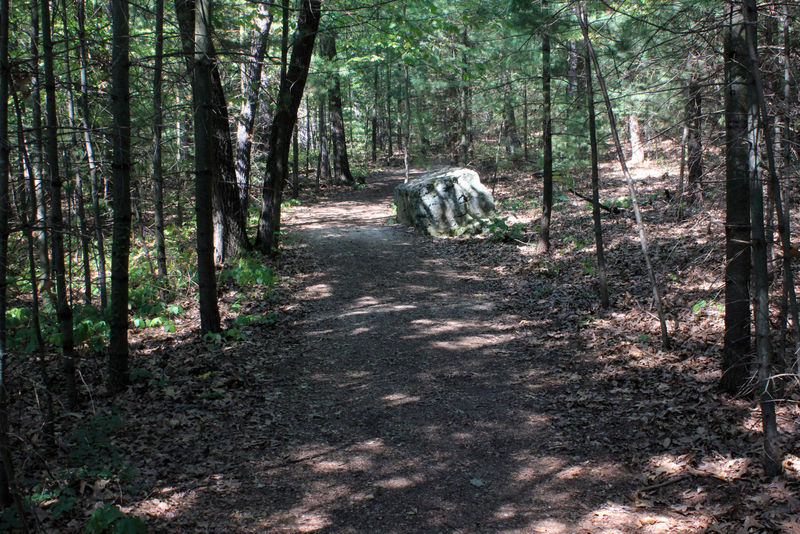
(622,202)
(702,305)
(10,519)
(89,328)
(286,205)
(501,232)
(263,318)
(248,271)
(111,520)
(93,445)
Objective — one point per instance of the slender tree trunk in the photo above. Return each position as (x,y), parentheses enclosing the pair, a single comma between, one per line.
(7,471)
(464,122)
(525,128)
(374,118)
(37,146)
(83,225)
(341,164)
(547,136)
(158,120)
(93,178)
(637,148)
(628,178)
(251,85)
(295,163)
(184,175)
(407,137)
(509,116)
(27,221)
(121,176)
(324,165)
(598,227)
(786,169)
(63,309)
(204,168)
(736,352)
(229,217)
(758,120)
(280,138)
(388,80)
(694,143)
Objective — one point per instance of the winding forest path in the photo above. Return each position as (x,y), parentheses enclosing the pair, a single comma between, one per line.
(419,407)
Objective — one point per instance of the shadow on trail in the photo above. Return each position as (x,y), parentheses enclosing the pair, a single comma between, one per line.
(413,403)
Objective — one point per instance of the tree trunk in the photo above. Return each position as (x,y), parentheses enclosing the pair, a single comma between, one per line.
(324,164)
(93,178)
(37,146)
(509,116)
(158,119)
(295,163)
(6,469)
(229,217)
(407,136)
(547,137)
(598,227)
(204,147)
(771,458)
(121,175)
(341,164)
(63,309)
(736,358)
(388,80)
(665,342)
(525,128)
(280,138)
(464,122)
(251,85)
(374,118)
(694,143)
(637,148)
(83,227)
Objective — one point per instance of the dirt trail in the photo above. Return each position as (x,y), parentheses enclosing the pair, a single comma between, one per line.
(406,391)
(420,409)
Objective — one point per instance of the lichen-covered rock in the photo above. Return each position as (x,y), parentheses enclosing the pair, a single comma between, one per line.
(448,202)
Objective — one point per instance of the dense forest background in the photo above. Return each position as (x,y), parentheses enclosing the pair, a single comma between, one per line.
(147,152)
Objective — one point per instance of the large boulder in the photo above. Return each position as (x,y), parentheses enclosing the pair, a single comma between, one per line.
(448,202)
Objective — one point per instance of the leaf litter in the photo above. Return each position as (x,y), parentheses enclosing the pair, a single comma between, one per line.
(369,403)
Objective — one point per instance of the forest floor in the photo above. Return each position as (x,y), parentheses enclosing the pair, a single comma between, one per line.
(465,385)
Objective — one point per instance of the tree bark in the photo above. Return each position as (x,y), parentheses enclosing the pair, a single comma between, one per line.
(229,216)
(251,85)
(374,117)
(280,138)
(637,148)
(295,163)
(121,176)
(665,342)
(464,118)
(63,309)
(93,178)
(37,146)
(341,163)
(598,227)
(6,469)
(83,227)
(158,119)
(204,146)
(736,358)
(547,137)
(772,459)
(324,164)
(509,116)
(694,143)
